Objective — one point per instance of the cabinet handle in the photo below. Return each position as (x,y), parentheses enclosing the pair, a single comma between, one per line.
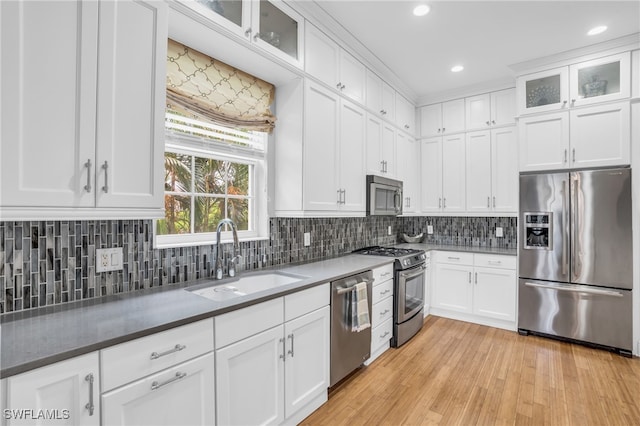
(90,406)
(283,349)
(385,274)
(565,156)
(406,126)
(105,167)
(469,277)
(573,101)
(574,155)
(291,351)
(493,122)
(494,262)
(439,203)
(476,278)
(155,385)
(339,196)
(494,202)
(176,348)
(344,196)
(488,202)
(382,293)
(453,258)
(87,187)
(443,129)
(564,103)
(385,312)
(385,166)
(444,203)
(255,36)
(386,333)
(339,86)
(247,32)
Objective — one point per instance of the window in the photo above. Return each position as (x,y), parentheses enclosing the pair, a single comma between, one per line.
(211,173)
(217,123)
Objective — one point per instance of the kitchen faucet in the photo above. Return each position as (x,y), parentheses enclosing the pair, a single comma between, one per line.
(236,248)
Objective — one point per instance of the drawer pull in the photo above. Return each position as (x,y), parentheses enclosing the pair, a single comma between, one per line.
(494,262)
(178,376)
(90,406)
(176,348)
(386,333)
(386,274)
(382,293)
(385,312)
(453,258)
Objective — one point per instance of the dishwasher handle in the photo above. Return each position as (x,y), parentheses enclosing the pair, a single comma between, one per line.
(344,290)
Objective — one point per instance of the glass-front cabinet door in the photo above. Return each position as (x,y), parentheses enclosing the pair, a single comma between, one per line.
(270,24)
(600,80)
(543,91)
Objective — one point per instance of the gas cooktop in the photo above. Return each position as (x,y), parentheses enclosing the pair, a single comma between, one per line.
(405,257)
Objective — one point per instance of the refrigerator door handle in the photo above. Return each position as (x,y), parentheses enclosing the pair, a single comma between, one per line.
(575,216)
(565,233)
(576,289)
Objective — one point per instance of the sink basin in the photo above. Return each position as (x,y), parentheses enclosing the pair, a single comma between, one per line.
(246,285)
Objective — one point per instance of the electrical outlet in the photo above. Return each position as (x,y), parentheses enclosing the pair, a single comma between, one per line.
(307,239)
(430,229)
(389,230)
(499,233)
(109,259)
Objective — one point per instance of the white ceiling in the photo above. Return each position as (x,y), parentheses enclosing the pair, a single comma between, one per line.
(484,36)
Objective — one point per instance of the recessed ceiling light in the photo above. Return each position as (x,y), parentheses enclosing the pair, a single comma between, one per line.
(597,30)
(421,10)
(457,68)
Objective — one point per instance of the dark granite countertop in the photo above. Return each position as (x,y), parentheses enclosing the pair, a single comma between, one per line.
(39,337)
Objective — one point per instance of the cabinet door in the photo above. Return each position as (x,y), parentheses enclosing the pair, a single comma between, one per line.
(320,144)
(478,171)
(389,150)
(600,80)
(250,380)
(322,56)
(307,363)
(405,114)
(278,29)
(494,293)
(352,149)
(373,93)
(352,77)
(181,395)
(388,102)
(543,91)
(408,153)
(453,119)
(453,173)
(48,80)
(431,120)
(452,288)
(131,91)
(70,385)
(601,135)
(503,107)
(431,170)
(375,160)
(478,112)
(544,141)
(504,170)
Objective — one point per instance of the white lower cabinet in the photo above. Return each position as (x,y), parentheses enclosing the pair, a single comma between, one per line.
(381,311)
(182,395)
(276,369)
(478,288)
(64,393)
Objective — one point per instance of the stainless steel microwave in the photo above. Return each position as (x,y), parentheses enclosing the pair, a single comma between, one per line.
(384,196)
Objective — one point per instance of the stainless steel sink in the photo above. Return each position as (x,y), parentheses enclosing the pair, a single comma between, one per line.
(247,284)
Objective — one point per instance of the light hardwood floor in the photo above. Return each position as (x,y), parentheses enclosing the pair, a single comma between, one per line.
(454,372)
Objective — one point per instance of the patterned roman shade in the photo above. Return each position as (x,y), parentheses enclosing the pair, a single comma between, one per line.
(207,89)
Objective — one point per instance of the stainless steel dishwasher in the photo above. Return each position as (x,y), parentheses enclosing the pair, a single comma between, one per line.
(349,349)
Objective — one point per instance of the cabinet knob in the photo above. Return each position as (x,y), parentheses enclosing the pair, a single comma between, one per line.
(488,123)
(439,130)
(564,103)
(493,121)
(338,86)
(247,33)
(406,126)
(443,129)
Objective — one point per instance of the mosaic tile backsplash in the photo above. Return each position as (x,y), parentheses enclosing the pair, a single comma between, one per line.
(53,262)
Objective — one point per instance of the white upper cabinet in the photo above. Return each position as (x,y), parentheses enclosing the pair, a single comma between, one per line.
(381,147)
(270,24)
(444,118)
(544,141)
(329,63)
(594,81)
(380,96)
(405,114)
(431,170)
(89,132)
(409,172)
(453,173)
(490,109)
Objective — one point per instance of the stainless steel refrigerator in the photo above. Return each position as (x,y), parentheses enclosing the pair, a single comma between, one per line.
(575,256)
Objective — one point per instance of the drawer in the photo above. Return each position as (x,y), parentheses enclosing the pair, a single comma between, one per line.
(305,301)
(382,311)
(381,334)
(382,273)
(132,360)
(242,323)
(455,257)
(381,291)
(495,261)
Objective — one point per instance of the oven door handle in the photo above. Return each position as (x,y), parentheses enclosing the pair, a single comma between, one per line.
(419,270)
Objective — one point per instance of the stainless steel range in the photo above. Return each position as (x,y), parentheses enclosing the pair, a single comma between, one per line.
(408,295)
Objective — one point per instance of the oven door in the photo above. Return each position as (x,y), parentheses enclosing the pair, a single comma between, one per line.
(410,292)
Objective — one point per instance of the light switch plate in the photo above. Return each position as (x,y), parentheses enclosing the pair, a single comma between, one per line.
(499,232)
(430,229)
(109,259)
(389,230)
(307,239)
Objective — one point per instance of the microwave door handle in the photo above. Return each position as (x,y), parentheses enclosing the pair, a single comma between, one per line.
(397,201)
